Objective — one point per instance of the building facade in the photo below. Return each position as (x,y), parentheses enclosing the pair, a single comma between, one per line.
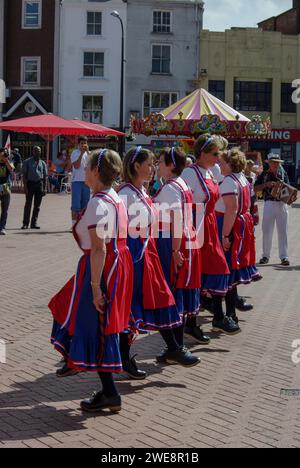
(162,45)
(89,60)
(28,62)
(287,22)
(252,70)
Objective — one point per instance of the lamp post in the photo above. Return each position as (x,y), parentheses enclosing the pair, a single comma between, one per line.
(116,14)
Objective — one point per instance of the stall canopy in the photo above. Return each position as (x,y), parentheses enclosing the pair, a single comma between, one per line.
(201,112)
(50,126)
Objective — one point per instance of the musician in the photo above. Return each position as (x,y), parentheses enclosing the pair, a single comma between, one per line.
(274,210)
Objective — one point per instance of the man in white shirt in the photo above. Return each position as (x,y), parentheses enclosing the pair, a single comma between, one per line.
(80,191)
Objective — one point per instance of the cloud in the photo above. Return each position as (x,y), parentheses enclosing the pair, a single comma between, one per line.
(224,14)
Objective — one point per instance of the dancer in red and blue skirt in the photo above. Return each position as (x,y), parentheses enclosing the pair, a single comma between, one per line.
(215,271)
(92,309)
(177,244)
(153,304)
(236,227)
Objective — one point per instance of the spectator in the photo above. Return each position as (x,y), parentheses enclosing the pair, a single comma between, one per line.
(274,211)
(80,191)
(52,177)
(6,168)
(17,160)
(35,177)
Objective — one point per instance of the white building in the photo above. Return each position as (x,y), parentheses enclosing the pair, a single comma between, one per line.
(89,57)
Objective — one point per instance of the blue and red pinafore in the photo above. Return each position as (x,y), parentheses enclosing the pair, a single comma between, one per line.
(241,258)
(153,304)
(87,339)
(186,282)
(215,271)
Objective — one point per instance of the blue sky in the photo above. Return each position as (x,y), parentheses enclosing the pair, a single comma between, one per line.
(224,14)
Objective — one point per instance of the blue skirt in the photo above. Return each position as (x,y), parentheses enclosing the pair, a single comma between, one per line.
(245,275)
(88,349)
(146,319)
(187,300)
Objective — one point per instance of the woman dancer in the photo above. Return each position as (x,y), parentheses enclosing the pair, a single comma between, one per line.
(92,309)
(236,228)
(153,304)
(215,271)
(177,244)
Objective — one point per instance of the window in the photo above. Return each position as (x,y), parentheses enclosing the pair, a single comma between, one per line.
(32,14)
(161,59)
(253,96)
(93,64)
(31,70)
(92,109)
(157,101)
(217,89)
(94,23)
(287,105)
(162,22)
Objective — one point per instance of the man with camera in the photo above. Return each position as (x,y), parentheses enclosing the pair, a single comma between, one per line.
(6,168)
(80,191)
(35,178)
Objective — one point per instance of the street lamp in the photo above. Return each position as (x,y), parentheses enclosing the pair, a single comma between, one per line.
(116,14)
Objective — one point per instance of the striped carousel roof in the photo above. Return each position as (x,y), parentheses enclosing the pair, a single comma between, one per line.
(200,103)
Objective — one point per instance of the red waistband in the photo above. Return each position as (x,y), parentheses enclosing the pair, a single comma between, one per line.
(219,214)
(121,245)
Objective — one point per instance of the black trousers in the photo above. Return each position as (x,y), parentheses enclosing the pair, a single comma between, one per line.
(5,202)
(35,194)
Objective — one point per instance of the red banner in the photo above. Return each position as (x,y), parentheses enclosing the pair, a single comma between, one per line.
(285,135)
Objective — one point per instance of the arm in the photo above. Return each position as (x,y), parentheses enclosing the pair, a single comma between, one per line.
(9,165)
(231,205)
(77,164)
(176,241)
(98,257)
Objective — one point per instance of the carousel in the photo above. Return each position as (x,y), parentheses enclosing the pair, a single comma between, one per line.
(199,113)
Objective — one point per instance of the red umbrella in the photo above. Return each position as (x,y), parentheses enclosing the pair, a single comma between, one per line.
(50,126)
(96,127)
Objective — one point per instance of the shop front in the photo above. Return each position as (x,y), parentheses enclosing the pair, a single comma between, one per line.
(286,143)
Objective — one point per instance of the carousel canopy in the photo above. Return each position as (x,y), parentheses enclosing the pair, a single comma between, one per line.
(201,103)
(198,113)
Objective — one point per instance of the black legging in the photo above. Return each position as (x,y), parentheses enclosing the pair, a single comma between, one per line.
(108,385)
(173,339)
(217,301)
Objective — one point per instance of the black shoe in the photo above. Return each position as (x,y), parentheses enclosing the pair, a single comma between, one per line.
(227,326)
(242,305)
(285,262)
(24,227)
(198,334)
(98,402)
(35,227)
(66,372)
(235,319)
(183,357)
(132,370)
(264,261)
(163,356)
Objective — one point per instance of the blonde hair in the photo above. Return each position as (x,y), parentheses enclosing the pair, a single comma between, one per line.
(110,166)
(236,159)
(206,143)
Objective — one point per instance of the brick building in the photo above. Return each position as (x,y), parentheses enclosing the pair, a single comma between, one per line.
(28,62)
(286,23)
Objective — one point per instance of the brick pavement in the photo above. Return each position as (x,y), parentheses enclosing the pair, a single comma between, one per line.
(231,400)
